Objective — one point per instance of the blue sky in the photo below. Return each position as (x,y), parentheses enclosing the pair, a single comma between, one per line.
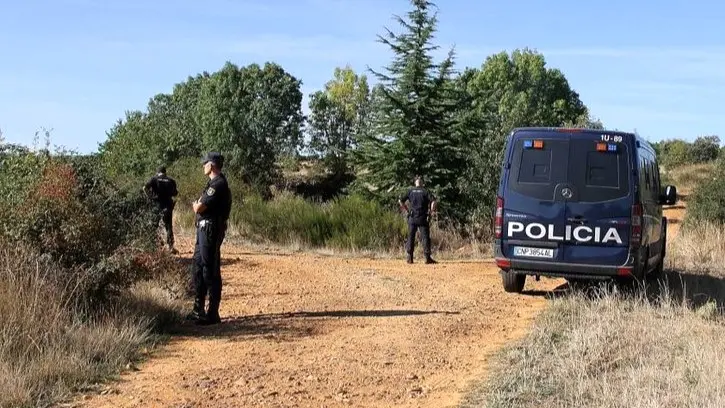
(75,66)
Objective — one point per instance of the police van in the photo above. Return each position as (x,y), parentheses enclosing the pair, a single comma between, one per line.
(579,204)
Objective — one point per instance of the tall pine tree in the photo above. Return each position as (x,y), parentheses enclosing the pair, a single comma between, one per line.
(413,130)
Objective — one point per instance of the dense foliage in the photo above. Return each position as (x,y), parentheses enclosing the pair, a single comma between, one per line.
(60,207)
(678,152)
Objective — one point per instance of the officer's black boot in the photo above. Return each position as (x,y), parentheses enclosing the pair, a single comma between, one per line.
(410,258)
(430,260)
(212,316)
(197,313)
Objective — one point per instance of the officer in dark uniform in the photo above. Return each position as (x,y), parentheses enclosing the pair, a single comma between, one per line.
(162,189)
(212,212)
(422,204)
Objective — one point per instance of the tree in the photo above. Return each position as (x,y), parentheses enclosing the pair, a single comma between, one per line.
(252,114)
(675,152)
(508,91)
(133,147)
(339,116)
(413,119)
(167,131)
(705,149)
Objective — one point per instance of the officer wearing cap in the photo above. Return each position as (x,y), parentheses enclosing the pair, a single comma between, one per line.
(422,204)
(212,212)
(162,189)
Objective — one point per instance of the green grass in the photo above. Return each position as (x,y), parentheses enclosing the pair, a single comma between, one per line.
(349,223)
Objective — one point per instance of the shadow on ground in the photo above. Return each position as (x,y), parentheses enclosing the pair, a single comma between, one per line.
(694,289)
(559,291)
(286,326)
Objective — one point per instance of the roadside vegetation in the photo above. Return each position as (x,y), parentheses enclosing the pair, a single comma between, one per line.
(83,287)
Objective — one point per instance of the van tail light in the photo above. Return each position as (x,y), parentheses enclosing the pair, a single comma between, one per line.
(498,221)
(635,239)
(504,264)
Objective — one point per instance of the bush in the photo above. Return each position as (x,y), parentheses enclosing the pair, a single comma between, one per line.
(707,201)
(74,254)
(73,217)
(344,223)
(51,342)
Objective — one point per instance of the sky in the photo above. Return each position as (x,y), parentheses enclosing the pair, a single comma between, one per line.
(73,67)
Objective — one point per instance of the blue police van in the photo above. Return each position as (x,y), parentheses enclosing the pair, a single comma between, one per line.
(580,204)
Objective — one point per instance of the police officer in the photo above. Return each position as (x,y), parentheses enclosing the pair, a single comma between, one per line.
(162,189)
(422,204)
(212,212)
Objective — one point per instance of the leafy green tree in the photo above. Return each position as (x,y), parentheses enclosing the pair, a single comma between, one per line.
(413,119)
(675,152)
(132,147)
(508,91)
(252,114)
(705,149)
(339,116)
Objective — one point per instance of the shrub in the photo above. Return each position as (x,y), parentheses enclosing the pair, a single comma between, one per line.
(707,201)
(74,253)
(71,215)
(344,223)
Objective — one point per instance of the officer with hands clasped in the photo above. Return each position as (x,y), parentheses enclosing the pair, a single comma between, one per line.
(422,205)
(212,212)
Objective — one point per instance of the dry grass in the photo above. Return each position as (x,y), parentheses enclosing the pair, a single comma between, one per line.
(51,346)
(689,175)
(620,346)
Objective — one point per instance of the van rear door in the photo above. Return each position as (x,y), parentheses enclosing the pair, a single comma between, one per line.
(534,211)
(600,208)
(567,198)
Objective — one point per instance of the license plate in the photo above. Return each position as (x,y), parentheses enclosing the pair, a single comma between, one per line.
(534,252)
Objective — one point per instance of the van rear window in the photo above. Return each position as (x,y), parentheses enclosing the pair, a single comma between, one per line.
(602,170)
(535,166)
(596,176)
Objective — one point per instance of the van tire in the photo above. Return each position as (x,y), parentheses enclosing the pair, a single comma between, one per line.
(513,282)
(659,269)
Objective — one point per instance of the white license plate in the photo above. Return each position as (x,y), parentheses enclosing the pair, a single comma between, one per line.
(534,252)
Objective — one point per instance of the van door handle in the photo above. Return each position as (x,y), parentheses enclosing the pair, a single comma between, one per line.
(578,220)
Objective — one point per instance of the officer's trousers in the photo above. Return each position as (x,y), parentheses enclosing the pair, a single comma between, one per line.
(207,266)
(413,227)
(167,213)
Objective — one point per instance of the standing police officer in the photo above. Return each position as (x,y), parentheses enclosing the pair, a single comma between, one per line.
(162,189)
(212,212)
(422,204)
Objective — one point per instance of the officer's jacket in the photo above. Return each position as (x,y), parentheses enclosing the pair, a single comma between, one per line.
(218,200)
(163,188)
(420,200)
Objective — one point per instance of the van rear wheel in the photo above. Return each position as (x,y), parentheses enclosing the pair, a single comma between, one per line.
(513,282)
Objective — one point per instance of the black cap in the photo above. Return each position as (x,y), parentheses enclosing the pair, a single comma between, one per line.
(215,157)
(161,169)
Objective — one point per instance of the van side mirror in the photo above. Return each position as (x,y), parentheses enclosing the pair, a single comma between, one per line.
(670,195)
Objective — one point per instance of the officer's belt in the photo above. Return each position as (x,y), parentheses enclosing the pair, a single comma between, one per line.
(204,223)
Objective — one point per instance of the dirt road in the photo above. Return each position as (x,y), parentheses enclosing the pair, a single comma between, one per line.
(306,330)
